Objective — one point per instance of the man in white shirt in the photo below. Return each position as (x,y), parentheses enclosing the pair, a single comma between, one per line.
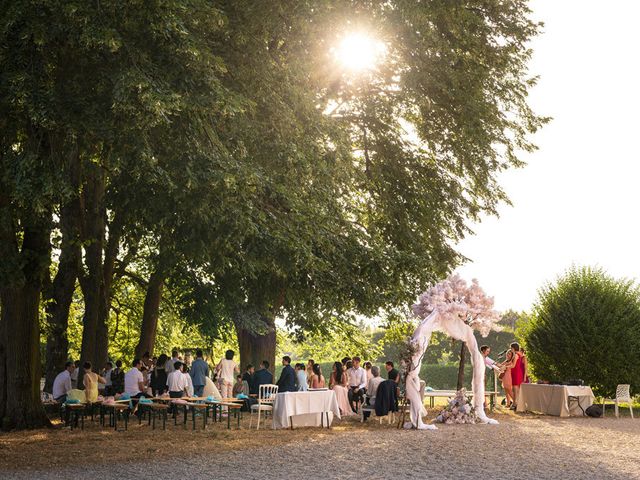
(62,383)
(357,383)
(134,380)
(488,362)
(177,382)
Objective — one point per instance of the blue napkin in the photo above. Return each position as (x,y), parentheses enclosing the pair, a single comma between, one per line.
(241,396)
(145,400)
(72,401)
(211,398)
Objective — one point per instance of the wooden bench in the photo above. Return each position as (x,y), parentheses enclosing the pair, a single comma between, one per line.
(115,410)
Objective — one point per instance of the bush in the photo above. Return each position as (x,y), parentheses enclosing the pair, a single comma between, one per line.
(586,326)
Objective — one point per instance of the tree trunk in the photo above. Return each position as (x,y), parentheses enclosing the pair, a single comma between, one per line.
(20,368)
(92,282)
(461,366)
(150,313)
(254,348)
(106,291)
(64,284)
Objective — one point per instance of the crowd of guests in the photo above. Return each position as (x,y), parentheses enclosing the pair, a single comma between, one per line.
(354,384)
(512,372)
(175,376)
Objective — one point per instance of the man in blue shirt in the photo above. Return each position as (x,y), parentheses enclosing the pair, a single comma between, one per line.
(287,380)
(199,372)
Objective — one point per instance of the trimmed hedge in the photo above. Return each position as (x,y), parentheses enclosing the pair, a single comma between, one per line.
(438,377)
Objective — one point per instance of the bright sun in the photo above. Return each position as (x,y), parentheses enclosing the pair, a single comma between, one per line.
(359,52)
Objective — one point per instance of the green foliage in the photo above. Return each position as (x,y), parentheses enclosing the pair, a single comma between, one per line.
(586,325)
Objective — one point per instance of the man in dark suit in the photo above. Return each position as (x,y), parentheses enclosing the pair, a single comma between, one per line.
(287,380)
(261,377)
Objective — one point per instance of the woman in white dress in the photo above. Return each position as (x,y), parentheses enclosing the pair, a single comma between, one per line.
(338,383)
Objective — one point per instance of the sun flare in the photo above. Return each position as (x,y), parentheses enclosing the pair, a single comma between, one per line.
(359,52)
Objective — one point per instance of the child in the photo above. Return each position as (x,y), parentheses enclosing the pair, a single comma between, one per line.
(238,387)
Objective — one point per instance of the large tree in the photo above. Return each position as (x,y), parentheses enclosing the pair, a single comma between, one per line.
(362,184)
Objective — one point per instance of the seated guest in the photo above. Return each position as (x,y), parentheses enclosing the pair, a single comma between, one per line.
(287,380)
(357,378)
(238,387)
(117,379)
(393,374)
(62,383)
(248,377)
(74,374)
(301,378)
(262,377)
(372,386)
(134,381)
(106,374)
(309,370)
(317,379)
(90,381)
(177,383)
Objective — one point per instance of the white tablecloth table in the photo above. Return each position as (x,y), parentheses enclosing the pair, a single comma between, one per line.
(305,409)
(554,399)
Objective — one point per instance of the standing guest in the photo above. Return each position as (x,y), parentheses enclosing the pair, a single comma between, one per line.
(238,387)
(106,374)
(392,373)
(287,380)
(74,374)
(248,376)
(159,376)
(134,380)
(117,379)
(367,368)
(262,377)
(226,371)
(338,383)
(62,383)
(146,377)
(146,361)
(505,376)
(187,376)
(517,372)
(199,371)
(488,362)
(301,378)
(169,365)
(90,381)
(357,383)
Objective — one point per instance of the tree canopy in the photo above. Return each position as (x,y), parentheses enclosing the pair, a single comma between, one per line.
(218,156)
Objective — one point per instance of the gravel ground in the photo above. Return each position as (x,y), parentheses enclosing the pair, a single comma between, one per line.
(529,447)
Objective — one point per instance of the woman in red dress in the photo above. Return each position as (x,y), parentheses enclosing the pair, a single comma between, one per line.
(517,371)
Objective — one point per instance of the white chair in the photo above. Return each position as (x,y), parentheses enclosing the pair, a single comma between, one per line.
(622,395)
(266,397)
(372,410)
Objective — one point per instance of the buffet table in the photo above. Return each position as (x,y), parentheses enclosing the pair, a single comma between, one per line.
(305,409)
(559,400)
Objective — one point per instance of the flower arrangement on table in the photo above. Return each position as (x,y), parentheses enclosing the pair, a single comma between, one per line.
(459,410)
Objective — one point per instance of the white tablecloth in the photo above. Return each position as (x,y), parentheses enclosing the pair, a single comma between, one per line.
(305,409)
(554,399)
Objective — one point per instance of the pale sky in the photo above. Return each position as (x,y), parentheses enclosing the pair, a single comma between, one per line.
(576,202)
